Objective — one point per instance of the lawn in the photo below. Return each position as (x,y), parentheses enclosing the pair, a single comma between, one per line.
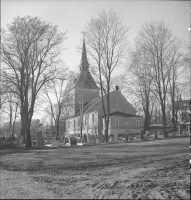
(157,169)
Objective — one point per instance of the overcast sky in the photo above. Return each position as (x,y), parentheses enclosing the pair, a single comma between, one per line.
(72,16)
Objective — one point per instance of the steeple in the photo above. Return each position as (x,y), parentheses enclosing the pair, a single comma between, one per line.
(84,61)
(85,80)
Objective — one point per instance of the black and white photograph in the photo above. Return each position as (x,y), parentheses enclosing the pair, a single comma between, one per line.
(95,99)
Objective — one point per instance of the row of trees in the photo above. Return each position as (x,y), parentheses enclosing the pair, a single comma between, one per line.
(153,66)
(33,71)
(157,62)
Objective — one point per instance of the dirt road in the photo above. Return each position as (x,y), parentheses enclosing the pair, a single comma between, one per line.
(147,170)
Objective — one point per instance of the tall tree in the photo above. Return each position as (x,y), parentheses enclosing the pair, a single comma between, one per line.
(81,92)
(157,41)
(140,82)
(176,63)
(30,54)
(106,39)
(55,93)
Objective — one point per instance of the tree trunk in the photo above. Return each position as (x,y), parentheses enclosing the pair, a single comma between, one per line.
(23,124)
(28,138)
(106,129)
(25,127)
(146,123)
(164,120)
(173,119)
(13,128)
(108,111)
(81,126)
(147,118)
(28,135)
(10,117)
(173,107)
(57,129)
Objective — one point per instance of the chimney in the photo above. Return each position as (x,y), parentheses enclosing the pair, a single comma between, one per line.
(117,88)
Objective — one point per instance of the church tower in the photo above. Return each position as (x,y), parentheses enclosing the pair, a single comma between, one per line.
(85,88)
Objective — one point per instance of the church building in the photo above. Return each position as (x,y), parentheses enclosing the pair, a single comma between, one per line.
(85,105)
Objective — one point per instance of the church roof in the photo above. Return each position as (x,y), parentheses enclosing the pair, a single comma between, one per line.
(85,79)
(118,105)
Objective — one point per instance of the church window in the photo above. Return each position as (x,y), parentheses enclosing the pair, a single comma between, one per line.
(68,124)
(103,123)
(93,119)
(137,123)
(79,122)
(116,122)
(85,122)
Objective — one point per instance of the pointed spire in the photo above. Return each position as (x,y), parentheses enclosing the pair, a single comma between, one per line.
(84,61)
(85,79)
(84,55)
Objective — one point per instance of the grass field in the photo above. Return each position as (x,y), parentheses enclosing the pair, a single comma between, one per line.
(157,169)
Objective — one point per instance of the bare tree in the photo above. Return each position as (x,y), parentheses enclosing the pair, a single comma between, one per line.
(81,91)
(180,107)
(157,41)
(156,114)
(187,70)
(176,64)
(141,83)
(121,81)
(106,39)
(10,108)
(55,93)
(30,54)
